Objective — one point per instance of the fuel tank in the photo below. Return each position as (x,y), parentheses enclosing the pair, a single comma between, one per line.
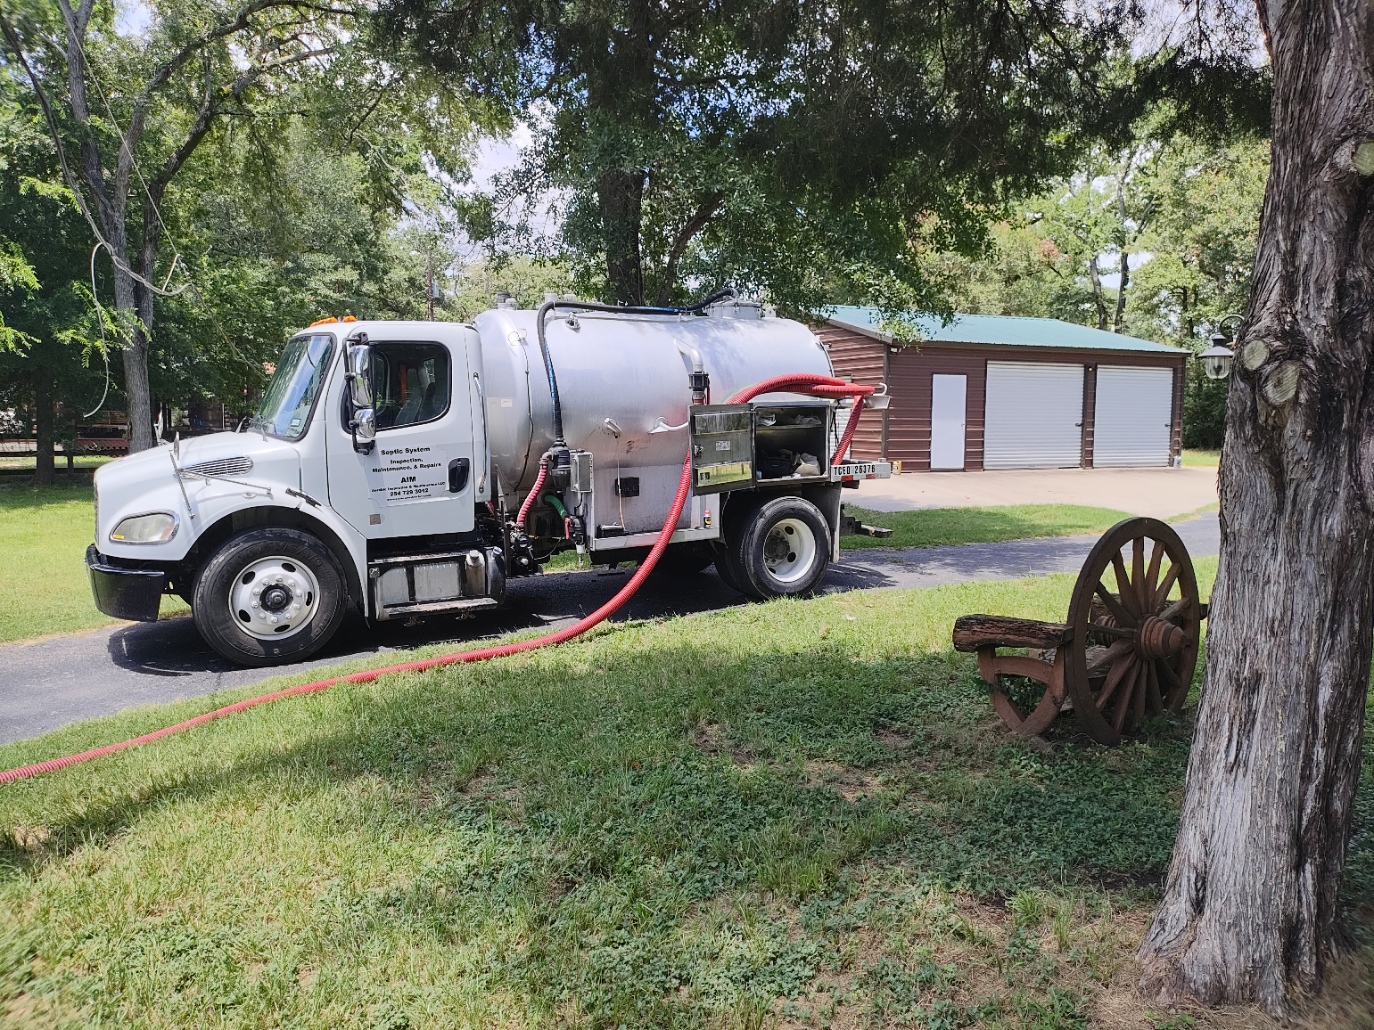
(621,377)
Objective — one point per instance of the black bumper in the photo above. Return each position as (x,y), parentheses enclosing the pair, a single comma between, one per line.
(121,593)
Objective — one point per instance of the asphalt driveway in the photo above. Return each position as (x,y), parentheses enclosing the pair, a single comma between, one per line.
(49,683)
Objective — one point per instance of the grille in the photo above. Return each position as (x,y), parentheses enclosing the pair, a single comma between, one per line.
(221,467)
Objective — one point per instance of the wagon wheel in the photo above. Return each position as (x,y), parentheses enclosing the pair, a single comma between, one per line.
(1132,649)
(1024,719)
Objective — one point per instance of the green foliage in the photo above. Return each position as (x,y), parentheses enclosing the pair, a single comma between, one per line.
(802,149)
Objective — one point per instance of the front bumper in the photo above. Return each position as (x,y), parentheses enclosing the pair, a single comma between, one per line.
(123,593)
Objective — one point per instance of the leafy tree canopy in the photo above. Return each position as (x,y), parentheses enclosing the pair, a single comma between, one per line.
(792,147)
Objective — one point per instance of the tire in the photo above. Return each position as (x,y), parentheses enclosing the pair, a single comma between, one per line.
(739,516)
(269,596)
(784,549)
(723,568)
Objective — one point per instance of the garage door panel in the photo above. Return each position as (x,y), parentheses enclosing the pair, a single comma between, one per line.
(1034,415)
(1133,416)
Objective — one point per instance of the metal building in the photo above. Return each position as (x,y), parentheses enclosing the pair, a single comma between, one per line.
(1006,392)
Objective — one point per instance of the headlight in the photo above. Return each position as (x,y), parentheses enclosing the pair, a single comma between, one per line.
(154,528)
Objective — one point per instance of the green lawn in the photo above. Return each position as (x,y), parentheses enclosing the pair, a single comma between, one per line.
(43,537)
(789,814)
(1201,459)
(51,527)
(932,527)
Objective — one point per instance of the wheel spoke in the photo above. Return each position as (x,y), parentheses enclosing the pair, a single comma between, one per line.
(1162,594)
(1124,587)
(1170,677)
(1141,678)
(1114,680)
(1123,704)
(1177,608)
(1150,588)
(1110,655)
(1138,574)
(1112,631)
(1152,680)
(1123,618)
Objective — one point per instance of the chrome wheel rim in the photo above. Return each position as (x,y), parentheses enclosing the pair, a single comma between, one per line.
(273,598)
(789,550)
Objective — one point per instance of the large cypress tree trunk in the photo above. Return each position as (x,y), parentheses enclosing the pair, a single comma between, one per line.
(1250,906)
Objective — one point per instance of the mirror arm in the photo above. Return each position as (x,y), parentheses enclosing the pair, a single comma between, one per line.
(350,376)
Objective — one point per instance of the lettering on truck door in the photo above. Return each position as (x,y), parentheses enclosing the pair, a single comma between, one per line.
(417,480)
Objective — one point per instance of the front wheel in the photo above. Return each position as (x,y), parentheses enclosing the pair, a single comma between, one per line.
(783,548)
(269,596)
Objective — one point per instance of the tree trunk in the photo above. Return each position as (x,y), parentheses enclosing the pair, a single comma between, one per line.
(1096,278)
(138,395)
(1121,291)
(620,195)
(43,471)
(1250,906)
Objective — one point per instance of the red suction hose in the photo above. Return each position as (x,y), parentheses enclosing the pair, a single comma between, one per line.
(817,385)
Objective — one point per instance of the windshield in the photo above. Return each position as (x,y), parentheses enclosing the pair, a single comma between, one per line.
(290,395)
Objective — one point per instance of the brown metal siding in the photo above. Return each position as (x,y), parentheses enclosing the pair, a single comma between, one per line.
(904,434)
(909,416)
(1089,413)
(861,359)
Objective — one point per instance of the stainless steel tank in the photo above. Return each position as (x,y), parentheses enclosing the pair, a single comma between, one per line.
(622,376)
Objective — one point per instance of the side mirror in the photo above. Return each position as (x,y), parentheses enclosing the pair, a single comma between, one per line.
(364,428)
(358,369)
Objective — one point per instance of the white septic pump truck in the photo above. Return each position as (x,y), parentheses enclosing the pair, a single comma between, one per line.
(409,469)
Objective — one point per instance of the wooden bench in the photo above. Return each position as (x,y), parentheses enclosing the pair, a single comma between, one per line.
(1127,652)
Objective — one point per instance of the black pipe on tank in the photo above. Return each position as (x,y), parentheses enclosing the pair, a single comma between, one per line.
(587,305)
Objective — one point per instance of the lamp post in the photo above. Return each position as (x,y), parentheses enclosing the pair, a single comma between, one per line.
(1216,359)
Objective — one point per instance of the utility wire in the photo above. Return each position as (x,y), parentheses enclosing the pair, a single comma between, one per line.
(72,183)
(125,146)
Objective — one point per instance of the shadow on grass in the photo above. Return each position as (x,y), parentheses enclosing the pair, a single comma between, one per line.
(632,827)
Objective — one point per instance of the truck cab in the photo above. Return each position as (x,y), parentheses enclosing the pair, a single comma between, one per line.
(393,469)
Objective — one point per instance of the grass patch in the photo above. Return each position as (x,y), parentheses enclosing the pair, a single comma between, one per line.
(933,527)
(43,537)
(800,813)
(1201,459)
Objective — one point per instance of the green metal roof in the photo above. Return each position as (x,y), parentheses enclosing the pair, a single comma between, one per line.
(1001,330)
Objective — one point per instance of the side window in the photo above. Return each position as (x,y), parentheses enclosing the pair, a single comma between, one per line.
(411,382)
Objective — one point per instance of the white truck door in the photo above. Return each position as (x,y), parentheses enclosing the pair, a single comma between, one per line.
(418,479)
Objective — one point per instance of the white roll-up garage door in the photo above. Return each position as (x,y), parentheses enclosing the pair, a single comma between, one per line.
(1033,416)
(1133,418)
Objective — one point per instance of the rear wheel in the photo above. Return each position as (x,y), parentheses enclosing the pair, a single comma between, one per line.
(783,548)
(269,596)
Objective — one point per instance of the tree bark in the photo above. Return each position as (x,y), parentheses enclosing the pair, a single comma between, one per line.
(1121,290)
(43,471)
(620,195)
(1250,906)
(1096,279)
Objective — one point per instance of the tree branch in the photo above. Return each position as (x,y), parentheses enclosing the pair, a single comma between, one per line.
(212,107)
(705,211)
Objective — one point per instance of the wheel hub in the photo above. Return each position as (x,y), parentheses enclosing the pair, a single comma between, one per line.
(789,550)
(1157,638)
(274,597)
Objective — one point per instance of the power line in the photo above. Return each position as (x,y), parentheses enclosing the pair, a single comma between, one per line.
(72,184)
(127,148)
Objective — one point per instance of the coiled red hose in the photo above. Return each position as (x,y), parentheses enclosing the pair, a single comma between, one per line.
(817,385)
